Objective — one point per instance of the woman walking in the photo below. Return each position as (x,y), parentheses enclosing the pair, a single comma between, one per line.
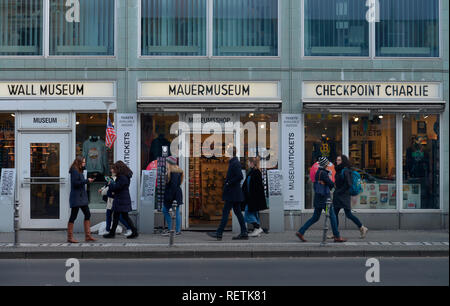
(79,199)
(254,197)
(341,195)
(172,193)
(322,187)
(122,200)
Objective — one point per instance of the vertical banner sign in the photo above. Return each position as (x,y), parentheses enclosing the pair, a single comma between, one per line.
(127,148)
(291,149)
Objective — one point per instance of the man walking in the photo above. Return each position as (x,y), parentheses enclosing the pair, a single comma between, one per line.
(233,196)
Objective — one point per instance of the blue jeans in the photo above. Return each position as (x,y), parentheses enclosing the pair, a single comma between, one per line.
(168,218)
(236,206)
(349,215)
(251,217)
(109,218)
(316,217)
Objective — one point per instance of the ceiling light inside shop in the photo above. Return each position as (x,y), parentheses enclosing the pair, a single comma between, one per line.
(78,122)
(425,117)
(380,116)
(356,119)
(13,115)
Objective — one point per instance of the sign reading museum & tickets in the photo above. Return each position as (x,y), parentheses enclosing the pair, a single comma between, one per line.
(291,150)
(126,148)
(207,90)
(66,89)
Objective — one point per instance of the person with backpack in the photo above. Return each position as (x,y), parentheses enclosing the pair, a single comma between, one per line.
(322,188)
(172,193)
(348,183)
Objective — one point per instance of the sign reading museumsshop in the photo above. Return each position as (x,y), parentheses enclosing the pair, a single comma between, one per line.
(66,89)
(371,91)
(204,90)
(291,150)
(127,148)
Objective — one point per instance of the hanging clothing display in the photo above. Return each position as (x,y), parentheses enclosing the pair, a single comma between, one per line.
(94,151)
(325,148)
(156,147)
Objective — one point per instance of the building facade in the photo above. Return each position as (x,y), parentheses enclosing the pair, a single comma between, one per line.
(313,77)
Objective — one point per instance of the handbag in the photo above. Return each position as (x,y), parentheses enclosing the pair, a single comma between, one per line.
(320,188)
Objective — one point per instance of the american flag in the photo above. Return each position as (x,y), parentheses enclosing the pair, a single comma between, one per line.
(110,134)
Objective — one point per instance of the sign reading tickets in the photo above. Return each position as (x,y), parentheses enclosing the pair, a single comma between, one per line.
(126,148)
(66,89)
(372,90)
(222,90)
(291,150)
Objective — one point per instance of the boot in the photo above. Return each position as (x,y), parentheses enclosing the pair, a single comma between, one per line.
(87,231)
(70,233)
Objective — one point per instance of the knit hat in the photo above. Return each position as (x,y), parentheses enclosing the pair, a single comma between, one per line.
(323,162)
(172,160)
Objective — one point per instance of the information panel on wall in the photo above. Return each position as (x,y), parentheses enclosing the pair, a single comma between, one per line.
(126,148)
(7,183)
(291,165)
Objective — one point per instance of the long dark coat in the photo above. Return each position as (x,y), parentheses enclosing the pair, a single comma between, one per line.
(341,195)
(254,196)
(173,189)
(78,194)
(232,191)
(121,192)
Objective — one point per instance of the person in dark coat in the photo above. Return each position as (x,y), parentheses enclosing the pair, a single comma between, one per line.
(254,196)
(119,190)
(233,197)
(341,195)
(79,199)
(320,202)
(172,193)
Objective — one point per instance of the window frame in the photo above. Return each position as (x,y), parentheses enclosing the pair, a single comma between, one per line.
(46,40)
(372,43)
(209,38)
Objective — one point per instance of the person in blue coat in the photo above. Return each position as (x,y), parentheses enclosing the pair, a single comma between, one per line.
(233,197)
(119,190)
(79,199)
(320,202)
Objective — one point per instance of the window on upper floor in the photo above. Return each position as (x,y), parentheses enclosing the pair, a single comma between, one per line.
(21,27)
(408,28)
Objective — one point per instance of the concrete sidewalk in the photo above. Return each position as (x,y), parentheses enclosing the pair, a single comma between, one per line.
(52,244)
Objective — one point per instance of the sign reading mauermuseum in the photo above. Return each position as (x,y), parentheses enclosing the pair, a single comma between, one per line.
(66,89)
(222,90)
(371,90)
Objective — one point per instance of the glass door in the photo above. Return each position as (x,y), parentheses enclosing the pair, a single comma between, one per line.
(44,180)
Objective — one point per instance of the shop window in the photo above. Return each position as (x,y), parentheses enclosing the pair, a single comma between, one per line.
(421,162)
(84,28)
(7,138)
(245,28)
(336,28)
(90,143)
(372,153)
(323,137)
(21,27)
(408,28)
(173,27)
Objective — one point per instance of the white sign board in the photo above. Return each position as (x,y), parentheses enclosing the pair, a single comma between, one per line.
(7,182)
(126,148)
(291,150)
(274,182)
(45,121)
(60,90)
(148,187)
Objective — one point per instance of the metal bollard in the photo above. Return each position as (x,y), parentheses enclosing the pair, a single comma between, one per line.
(16,223)
(325,226)
(172,230)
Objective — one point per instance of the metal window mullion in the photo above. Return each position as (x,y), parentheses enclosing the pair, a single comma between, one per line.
(442,128)
(210,27)
(399,161)
(46,28)
(345,135)
(372,36)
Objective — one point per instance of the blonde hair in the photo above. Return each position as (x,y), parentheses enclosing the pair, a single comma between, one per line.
(255,161)
(174,168)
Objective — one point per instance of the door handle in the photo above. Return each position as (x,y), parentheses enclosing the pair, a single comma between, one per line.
(43,181)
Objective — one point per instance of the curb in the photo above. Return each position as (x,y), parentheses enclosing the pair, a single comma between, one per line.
(218,254)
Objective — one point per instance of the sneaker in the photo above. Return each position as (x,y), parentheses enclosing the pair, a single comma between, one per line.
(128,233)
(330,236)
(256,233)
(178,233)
(363,230)
(214,235)
(240,237)
(165,233)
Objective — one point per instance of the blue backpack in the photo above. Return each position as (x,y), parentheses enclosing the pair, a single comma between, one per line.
(356,187)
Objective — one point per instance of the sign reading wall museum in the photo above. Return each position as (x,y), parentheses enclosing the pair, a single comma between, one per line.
(372,90)
(127,148)
(223,90)
(291,150)
(64,89)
